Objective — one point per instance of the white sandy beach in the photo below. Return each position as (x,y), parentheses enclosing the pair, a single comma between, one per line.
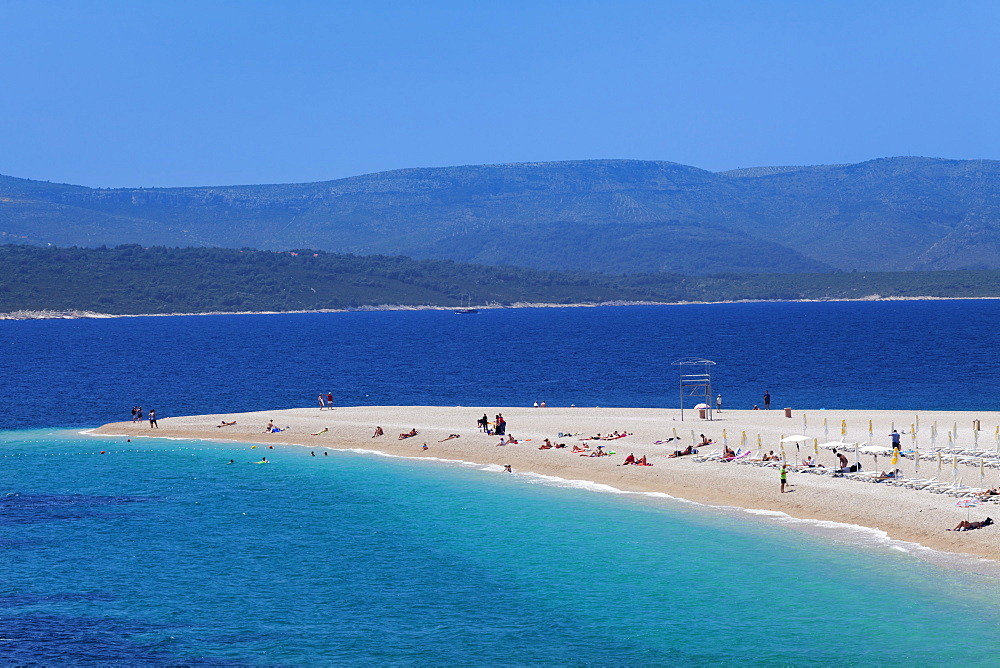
(918,516)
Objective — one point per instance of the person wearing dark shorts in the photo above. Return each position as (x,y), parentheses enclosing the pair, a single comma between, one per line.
(784,477)
(152,419)
(767,400)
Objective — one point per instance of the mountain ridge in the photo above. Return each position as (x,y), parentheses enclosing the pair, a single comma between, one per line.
(614,216)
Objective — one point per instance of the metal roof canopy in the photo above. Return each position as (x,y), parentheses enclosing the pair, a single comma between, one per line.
(695,380)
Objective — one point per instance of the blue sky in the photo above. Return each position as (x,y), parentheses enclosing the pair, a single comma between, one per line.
(136,93)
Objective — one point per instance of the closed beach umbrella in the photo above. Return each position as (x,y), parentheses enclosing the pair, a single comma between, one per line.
(816,447)
(803,423)
(954,468)
(940,462)
(913,436)
(676,437)
(694,439)
(760,446)
(982,471)
(934,435)
(725,439)
(895,457)
(843,430)
(917,421)
(826,431)
(916,459)
(975,438)
(871,436)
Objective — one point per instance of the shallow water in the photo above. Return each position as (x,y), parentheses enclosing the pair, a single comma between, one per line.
(160,552)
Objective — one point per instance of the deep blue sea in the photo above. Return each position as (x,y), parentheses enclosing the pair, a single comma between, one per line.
(160,553)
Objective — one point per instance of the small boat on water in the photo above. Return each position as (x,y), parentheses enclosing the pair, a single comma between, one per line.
(467,308)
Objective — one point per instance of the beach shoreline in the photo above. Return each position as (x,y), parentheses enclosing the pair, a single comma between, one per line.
(75,314)
(912,516)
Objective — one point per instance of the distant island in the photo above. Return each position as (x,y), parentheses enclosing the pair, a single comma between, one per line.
(604,216)
(130,279)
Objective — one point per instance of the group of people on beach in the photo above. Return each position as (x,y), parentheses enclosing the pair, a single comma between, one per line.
(325,400)
(137,416)
(499,425)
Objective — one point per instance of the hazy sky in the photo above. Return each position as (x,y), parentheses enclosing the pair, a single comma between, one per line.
(146,93)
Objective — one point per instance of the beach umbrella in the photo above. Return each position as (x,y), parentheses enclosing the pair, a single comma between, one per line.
(996,437)
(895,458)
(826,431)
(876,450)
(982,471)
(968,504)
(954,468)
(725,439)
(940,462)
(694,439)
(781,444)
(676,437)
(951,441)
(803,423)
(743,439)
(816,447)
(913,436)
(843,429)
(975,438)
(916,459)
(917,422)
(871,436)
(760,447)
(954,430)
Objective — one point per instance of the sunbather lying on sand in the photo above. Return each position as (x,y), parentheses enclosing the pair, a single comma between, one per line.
(988,492)
(226,424)
(407,434)
(969,526)
(450,436)
(322,431)
(577,448)
(681,453)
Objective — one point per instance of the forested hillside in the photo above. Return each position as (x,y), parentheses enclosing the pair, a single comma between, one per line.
(610,216)
(132,279)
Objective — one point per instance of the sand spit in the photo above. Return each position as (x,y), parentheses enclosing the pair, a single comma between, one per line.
(905,514)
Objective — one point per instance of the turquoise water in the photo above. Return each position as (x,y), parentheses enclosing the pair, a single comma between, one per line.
(159,552)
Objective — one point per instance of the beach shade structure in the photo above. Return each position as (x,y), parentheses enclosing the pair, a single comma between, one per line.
(743,439)
(934,435)
(982,471)
(676,437)
(996,437)
(694,439)
(916,459)
(913,436)
(816,447)
(725,438)
(940,462)
(916,422)
(760,447)
(826,430)
(797,439)
(968,504)
(975,438)
(871,435)
(804,423)
(954,468)
(843,430)
(876,450)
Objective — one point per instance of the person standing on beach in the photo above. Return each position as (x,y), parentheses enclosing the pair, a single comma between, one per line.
(135,409)
(895,440)
(784,476)
(322,403)
(329,400)
(138,415)
(718,404)
(767,400)
(152,419)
